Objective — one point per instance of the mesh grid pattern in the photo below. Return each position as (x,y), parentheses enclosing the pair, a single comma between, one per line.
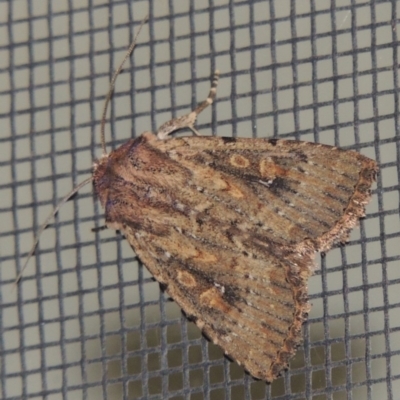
(87,320)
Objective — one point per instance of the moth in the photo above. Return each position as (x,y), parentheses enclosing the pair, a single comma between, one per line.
(230,227)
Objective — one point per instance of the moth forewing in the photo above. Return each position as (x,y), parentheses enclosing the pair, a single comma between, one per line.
(231,226)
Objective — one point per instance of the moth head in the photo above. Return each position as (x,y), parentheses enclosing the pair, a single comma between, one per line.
(101,180)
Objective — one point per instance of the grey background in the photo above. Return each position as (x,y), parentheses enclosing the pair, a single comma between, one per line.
(87,320)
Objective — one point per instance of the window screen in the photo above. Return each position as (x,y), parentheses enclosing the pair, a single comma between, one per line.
(87,320)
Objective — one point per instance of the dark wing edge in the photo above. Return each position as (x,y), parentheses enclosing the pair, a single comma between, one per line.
(297,273)
(299,269)
(351,215)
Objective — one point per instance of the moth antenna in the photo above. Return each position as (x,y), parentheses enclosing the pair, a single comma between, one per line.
(103,144)
(112,85)
(46,222)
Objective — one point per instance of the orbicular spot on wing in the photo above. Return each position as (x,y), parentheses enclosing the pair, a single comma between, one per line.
(186,279)
(239,161)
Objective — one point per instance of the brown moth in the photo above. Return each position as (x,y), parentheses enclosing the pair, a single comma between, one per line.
(230,226)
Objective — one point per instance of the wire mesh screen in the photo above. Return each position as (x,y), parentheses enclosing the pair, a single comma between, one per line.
(87,320)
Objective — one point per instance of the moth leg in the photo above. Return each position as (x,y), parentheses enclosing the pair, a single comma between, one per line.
(188,120)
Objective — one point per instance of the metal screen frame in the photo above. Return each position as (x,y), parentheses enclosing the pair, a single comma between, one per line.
(87,320)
